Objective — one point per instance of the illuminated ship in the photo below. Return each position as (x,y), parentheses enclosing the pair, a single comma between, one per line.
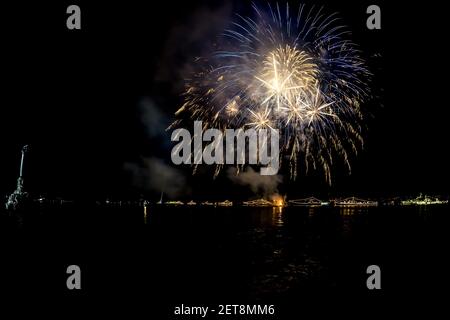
(225,203)
(258,203)
(173,203)
(191,203)
(308,202)
(355,202)
(423,201)
(207,203)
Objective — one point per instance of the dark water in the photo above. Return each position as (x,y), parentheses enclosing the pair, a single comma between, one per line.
(293,257)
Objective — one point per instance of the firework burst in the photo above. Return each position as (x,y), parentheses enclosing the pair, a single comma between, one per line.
(299,73)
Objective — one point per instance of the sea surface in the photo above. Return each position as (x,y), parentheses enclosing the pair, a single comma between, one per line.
(163,256)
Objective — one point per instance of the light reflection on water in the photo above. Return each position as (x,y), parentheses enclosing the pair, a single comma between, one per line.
(277,216)
(279,250)
(350,211)
(145,214)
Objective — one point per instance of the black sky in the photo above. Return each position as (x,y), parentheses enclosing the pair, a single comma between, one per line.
(74,95)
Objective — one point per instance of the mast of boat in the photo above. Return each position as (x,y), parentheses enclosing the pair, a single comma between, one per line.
(161,198)
(162,192)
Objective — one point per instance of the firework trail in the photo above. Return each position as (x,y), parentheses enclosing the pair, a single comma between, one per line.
(299,73)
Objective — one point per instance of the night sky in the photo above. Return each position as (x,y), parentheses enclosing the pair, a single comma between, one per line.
(80,99)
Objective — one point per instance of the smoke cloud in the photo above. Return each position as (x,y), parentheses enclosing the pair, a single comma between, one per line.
(259,184)
(152,174)
(192,38)
(152,118)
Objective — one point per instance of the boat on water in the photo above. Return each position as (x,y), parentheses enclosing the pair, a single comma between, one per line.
(423,201)
(355,202)
(174,203)
(226,203)
(308,202)
(258,203)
